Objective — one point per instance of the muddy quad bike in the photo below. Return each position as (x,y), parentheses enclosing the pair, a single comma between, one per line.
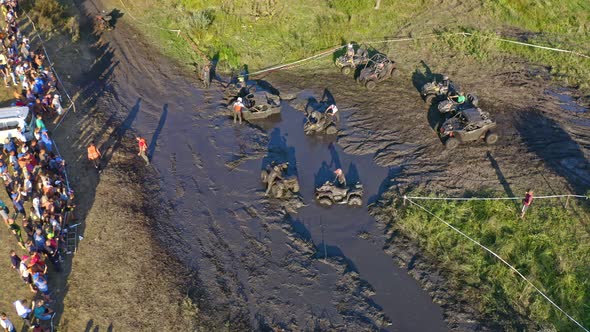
(328,194)
(288,185)
(451,107)
(104,21)
(320,123)
(437,90)
(258,104)
(348,65)
(468,125)
(377,69)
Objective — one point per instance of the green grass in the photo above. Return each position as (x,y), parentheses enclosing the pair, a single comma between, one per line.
(550,247)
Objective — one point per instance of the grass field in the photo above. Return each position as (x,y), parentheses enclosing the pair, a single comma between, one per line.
(550,247)
(263,33)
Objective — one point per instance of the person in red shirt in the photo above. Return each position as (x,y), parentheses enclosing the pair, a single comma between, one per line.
(526,202)
(142,144)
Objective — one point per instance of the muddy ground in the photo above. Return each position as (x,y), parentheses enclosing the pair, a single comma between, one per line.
(251,263)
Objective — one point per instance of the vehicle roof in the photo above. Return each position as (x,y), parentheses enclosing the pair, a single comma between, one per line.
(14,112)
(472,114)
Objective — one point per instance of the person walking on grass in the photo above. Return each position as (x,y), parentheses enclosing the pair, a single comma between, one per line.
(6,323)
(14,260)
(526,202)
(94,155)
(142,146)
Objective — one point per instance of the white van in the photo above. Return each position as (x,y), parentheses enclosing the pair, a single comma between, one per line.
(13,117)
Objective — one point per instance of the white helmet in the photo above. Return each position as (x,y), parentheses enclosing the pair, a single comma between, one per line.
(240,99)
(349,45)
(56,96)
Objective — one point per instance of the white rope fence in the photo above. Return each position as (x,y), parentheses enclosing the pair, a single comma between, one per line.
(489,198)
(409,199)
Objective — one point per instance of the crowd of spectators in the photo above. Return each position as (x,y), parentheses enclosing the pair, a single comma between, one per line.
(34,176)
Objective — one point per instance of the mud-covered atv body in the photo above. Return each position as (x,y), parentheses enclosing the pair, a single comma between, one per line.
(451,107)
(437,90)
(104,20)
(377,69)
(349,64)
(257,104)
(320,123)
(468,125)
(328,194)
(285,187)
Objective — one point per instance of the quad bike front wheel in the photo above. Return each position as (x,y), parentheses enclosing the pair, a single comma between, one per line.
(491,138)
(355,201)
(346,70)
(370,85)
(331,130)
(325,201)
(429,98)
(263,176)
(451,143)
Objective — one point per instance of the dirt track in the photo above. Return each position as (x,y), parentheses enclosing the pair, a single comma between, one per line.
(262,267)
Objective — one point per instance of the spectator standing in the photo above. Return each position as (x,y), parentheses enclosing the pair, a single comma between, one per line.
(142,146)
(42,312)
(526,202)
(14,260)
(6,323)
(238,106)
(23,311)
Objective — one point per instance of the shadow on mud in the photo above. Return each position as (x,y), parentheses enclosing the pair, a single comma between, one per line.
(419,77)
(558,150)
(280,152)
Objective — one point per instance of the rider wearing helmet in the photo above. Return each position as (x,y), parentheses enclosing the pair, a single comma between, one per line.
(458,98)
(350,53)
(340,179)
(237,108)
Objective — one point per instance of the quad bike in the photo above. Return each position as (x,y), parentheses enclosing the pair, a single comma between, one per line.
(434,90)
(104,21)
(320,123)
(328,194)
(377,69)
(284,187)
(451,107)
(348,64)
(468,125)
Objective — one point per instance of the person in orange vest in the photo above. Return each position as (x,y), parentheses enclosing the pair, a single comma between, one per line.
(94,155)
(238,109)
(143,149)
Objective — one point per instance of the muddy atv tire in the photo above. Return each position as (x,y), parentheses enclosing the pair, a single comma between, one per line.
(263,176)
(346,70)
(277,191)
(429,98)
(451,143)
(491,138)
(295,188)
(370,85)
(331,130)
(325,201)
(355,201)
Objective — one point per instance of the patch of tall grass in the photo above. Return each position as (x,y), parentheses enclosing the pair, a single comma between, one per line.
(550,247)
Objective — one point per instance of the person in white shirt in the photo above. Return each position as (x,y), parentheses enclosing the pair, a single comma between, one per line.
(56,104)
(23,311)
(6,323)
(332,110)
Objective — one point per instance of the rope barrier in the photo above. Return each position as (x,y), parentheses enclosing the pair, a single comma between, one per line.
(488,198)
(501,259)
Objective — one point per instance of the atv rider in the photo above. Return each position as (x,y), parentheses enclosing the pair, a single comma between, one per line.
(340,180)
(274,174)
(350,54)
(445,82)
(332,111)
(457,98)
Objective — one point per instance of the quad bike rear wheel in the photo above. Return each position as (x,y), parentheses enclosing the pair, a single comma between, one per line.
(263,176)
(325,201)
(451,143)
(491,138)
(331,130)
(277,190)
(429,98)
(355,201)
(370,85)
(295,187)
(346,70)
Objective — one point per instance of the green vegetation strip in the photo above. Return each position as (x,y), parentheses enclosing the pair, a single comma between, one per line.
(550,247)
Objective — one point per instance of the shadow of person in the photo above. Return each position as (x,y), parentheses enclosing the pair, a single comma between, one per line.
(352,175)
(115,140)
(323,174)
(335,158)
(154,140)
(279,152)
(328,97)
(501,176)
(311,105)
(421,77)
(115,15)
